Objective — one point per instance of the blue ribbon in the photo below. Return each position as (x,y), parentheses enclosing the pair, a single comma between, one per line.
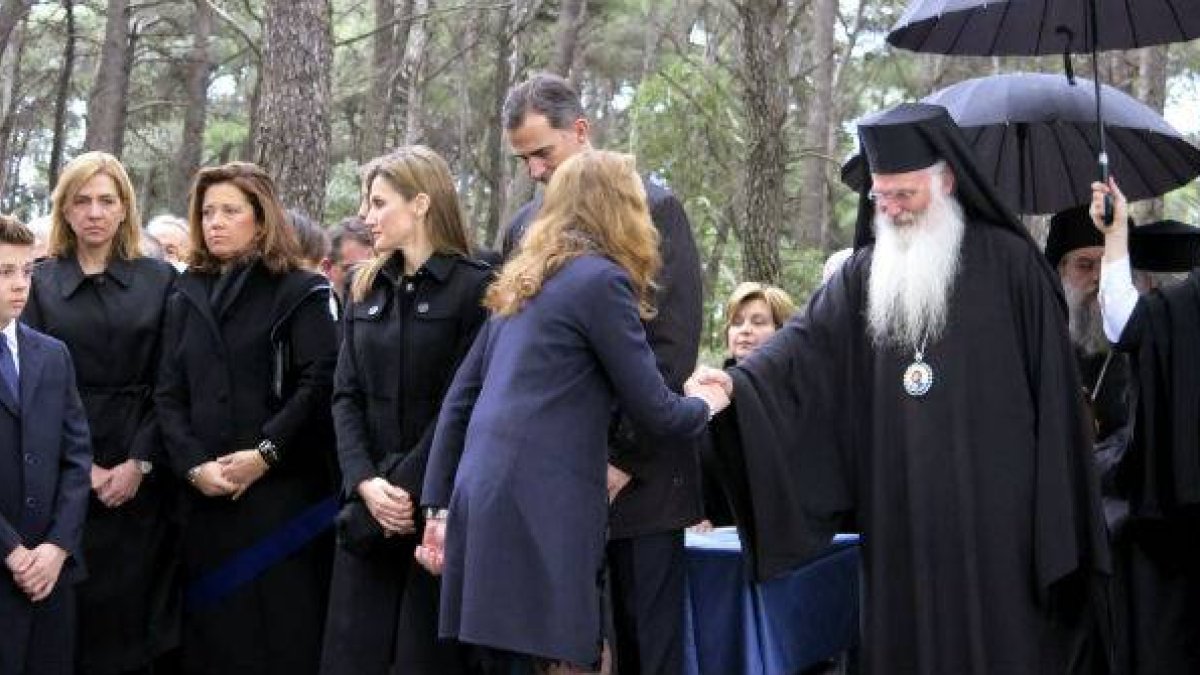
(249,563)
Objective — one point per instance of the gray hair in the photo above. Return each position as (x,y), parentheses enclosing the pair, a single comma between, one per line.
(544,94)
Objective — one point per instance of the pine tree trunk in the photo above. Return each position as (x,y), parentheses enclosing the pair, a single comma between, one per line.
(107,102)
(414,68)
(293,119)
(62,92)
(763,78)
(191,147)
(12,12)
(812,224)
(10,88)
(379,98)
(494,147)
(572,16)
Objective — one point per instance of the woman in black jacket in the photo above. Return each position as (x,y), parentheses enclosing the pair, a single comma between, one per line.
(413,314)
(96,293)
(753,313)
(243,399)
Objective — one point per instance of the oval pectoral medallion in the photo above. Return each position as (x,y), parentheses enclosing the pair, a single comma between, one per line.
(918,379)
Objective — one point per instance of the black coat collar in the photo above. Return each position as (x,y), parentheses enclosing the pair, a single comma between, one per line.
(439,266)
(69,275)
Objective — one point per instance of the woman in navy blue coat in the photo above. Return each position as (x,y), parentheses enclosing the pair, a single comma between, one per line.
(520,449)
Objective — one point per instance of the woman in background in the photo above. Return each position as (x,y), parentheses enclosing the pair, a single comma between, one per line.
(753,313)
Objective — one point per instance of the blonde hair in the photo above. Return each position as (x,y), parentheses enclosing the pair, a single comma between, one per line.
(274,241)
(781,304)
(414,170)
(594,203)
(127,240)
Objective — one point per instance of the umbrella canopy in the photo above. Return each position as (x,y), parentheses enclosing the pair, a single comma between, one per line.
(1032,27)
(1035,136)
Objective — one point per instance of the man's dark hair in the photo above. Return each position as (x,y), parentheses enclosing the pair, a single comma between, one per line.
(14,233)
(314,243)
(352,228)
(544,94)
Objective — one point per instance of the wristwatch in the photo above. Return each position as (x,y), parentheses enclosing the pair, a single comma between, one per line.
(269,451)
(193,474)
(144,466)
(435,513)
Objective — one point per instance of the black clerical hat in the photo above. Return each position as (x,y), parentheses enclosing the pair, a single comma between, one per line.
(913,136)
(1165,246)
(896,142)
(1069,230)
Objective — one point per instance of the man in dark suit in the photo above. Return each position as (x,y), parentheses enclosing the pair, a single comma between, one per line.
(655,494)
(45,458)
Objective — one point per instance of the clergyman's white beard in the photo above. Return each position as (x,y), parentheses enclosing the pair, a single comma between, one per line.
(1086,324)
(912,274)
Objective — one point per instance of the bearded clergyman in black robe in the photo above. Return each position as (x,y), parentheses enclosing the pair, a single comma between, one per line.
(928,398)
(1074,247)
(1160,474)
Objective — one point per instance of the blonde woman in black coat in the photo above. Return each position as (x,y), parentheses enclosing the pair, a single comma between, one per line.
(243,400)
(413,314)
(97,294)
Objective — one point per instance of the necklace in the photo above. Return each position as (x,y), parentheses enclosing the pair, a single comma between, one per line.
(918,376)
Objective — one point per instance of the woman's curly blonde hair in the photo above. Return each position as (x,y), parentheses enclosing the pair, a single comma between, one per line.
(595,203)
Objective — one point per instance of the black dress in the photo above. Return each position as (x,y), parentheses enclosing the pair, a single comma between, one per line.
(402,345)
(249,355)
(112,324)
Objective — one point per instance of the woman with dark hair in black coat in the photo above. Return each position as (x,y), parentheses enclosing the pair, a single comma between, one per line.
(243,399)
(413,315)
(97,294)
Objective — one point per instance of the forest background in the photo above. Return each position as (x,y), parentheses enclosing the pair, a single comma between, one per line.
(744,108)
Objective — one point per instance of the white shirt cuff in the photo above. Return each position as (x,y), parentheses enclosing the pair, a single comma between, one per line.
(1118,296)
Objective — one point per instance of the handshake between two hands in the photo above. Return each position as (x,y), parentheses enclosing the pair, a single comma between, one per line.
(711,384)
(714,386)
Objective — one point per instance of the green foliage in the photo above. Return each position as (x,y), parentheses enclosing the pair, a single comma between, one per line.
(342,194)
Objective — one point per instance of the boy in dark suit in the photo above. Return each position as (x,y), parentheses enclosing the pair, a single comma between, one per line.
(45,460)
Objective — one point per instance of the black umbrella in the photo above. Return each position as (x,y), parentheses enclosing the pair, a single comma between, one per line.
(1031,27)
(1035,135)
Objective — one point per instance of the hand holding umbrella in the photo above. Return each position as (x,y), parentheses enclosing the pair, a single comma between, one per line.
(1107,202)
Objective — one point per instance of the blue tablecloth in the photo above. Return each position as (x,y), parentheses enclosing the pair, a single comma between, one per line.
(735,627)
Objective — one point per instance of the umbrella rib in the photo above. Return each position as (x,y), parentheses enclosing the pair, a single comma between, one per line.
(1037,47)
(1136,168)
(1133,26)
(997,33)
(1058,141)
(1181,36)
(1086,25)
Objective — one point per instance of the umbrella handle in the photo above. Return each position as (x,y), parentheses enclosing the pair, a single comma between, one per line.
(1095,25)
(1108,200)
